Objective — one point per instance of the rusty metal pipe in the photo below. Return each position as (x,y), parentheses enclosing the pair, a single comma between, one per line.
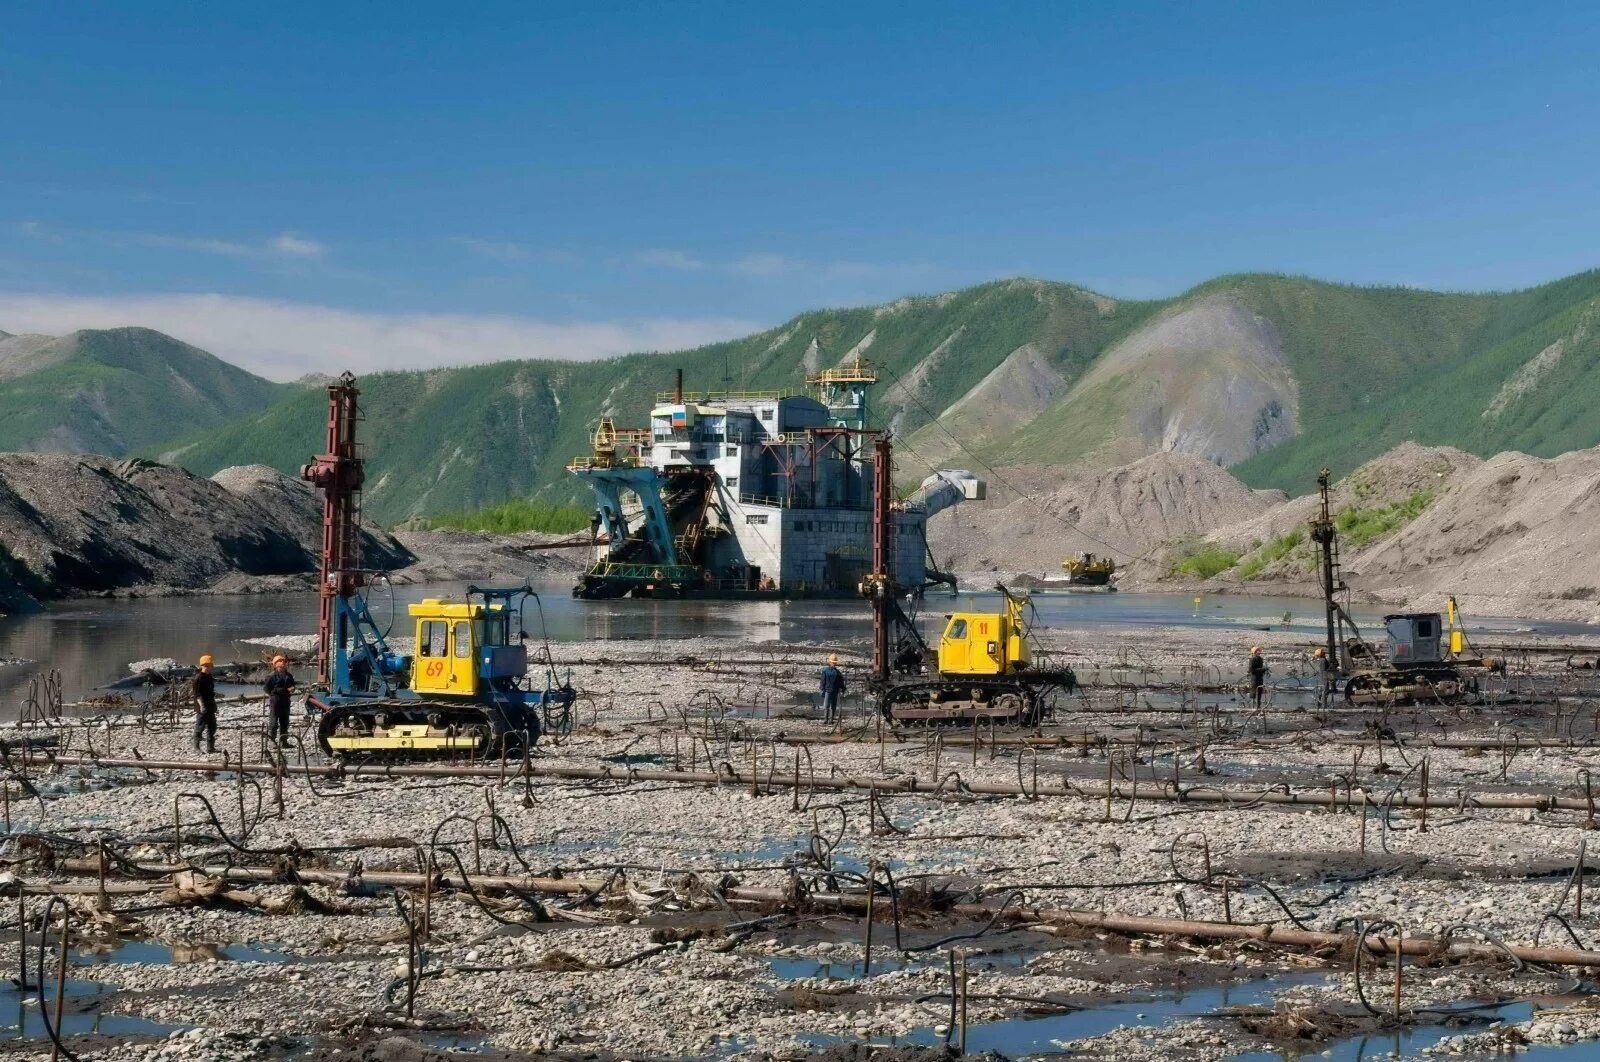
(845,783)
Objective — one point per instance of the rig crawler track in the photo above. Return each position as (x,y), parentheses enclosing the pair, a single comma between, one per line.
(416,729)
(1023,700)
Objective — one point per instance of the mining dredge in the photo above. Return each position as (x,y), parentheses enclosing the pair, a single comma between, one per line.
(751,494)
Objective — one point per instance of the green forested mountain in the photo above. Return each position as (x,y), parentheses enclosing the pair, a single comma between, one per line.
(1270,375)
(452,439)
(115,391)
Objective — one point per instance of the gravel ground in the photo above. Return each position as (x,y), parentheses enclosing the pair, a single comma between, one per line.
(664,966)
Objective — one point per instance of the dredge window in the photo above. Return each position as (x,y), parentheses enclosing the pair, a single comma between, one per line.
(463,640)
(958,629)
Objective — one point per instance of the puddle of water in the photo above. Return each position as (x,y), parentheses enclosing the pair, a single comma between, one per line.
(796,967)
(1025,1035)
(461,1042)
(1407,1042)
(150,952)
(775,850)
(20,1018)
(654,758)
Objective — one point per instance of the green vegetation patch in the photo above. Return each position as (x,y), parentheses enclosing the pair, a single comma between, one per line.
(514,517)
(1202,560)
(1271,552)
(1359,525)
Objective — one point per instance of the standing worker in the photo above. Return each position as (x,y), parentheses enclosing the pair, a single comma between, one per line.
(205,699)
(1258,675)
(832,688)
(279,685)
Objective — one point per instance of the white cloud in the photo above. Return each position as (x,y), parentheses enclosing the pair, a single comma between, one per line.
(766,265)
(38,230)
(186,243)
(296,246)
(762,265)
(669,259)
(283,245)
(284,340)
(501,250)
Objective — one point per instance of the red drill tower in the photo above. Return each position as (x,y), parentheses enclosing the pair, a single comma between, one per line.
(338,473)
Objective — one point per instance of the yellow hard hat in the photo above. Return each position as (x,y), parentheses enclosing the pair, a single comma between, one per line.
(1255,649)
(206,659)
(833,658)
(280,660)
(1317,651)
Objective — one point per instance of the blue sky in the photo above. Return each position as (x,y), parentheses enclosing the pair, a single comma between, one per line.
(409,184)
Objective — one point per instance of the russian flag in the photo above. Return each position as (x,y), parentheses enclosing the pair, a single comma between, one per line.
(680,418)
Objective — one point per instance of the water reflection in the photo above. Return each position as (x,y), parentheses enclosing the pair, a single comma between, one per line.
(92,642)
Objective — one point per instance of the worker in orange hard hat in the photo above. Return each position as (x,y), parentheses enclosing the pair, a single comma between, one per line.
(279,686)
(205,699)
(832,688)
(1258,675)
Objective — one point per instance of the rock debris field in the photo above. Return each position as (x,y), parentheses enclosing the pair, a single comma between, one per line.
(691,865)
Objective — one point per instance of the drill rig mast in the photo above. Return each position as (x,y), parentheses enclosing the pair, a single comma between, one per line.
(339,474)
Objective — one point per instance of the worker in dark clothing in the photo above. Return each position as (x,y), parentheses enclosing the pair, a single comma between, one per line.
(1258,675)
(832,688)
(279,685)
(205,699)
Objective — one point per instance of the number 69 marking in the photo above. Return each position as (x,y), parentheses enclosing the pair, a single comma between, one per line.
(434,668)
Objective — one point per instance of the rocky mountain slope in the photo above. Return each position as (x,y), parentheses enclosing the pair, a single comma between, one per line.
(1513,535)
(1033,519)
(116,391)
(455,439)
(1270,376)
(86,524)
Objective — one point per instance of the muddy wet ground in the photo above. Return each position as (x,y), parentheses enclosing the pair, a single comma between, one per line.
(248,915)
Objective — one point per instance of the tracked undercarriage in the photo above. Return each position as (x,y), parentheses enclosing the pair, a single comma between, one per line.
(1009,699)
(401,728)
(1443,684)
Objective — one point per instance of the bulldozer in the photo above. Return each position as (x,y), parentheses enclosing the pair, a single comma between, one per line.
(463,693)
(983,668)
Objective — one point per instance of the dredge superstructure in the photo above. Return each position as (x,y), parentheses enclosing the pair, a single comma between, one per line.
(751,494)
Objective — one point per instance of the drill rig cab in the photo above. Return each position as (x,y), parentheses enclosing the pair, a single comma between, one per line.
(985,643)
